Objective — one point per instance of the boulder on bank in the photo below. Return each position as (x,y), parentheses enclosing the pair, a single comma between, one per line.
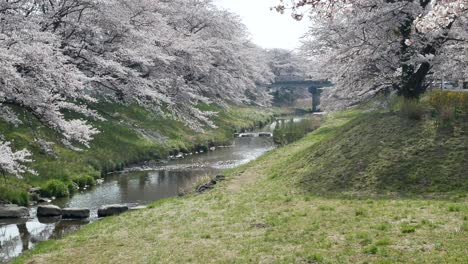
(220,177)
(13,211)
(75,213)
(48,211)
(207,186)
(110,210)
(204,188)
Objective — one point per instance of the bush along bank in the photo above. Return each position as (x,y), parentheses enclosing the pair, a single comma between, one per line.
(129,135)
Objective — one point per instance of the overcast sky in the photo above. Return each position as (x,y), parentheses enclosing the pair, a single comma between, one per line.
(268,28)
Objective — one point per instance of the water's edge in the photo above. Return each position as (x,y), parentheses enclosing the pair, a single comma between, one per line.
(136,185)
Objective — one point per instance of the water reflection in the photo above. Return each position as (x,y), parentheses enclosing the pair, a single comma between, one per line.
(22,236)
(137,185)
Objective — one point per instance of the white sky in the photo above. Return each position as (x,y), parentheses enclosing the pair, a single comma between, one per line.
(269,29)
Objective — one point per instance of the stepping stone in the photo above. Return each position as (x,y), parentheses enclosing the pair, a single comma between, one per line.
(110,210)
(48,211)
(13,211)
(75,213)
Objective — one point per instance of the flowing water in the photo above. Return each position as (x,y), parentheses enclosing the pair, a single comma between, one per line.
(139,185)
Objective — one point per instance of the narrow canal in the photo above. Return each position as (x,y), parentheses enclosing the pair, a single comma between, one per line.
(135,186)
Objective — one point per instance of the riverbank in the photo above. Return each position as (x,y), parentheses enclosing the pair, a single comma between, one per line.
(129,135)
(278,209)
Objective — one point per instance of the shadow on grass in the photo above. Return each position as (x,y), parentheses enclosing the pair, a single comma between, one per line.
(383,155)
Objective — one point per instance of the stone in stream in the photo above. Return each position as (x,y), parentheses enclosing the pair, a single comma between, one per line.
(34,197)
(110,210)
(43,200)
(265,134)
(48,211)
(13,211)
(75,213)
(35,194)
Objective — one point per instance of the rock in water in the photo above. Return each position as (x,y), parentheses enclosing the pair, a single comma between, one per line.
(75,213)
(109,210)
(48,211)
(13,211)
(43,200)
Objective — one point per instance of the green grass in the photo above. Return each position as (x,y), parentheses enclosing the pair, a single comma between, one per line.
(383,153)
(131,134)
(288,131)
(268,212)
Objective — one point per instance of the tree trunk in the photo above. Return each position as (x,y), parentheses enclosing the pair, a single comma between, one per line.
(4,177)
(411,85)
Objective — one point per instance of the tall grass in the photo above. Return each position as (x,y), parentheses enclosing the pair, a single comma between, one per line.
(445,106)
(448,105)
(414,109)
(289,131)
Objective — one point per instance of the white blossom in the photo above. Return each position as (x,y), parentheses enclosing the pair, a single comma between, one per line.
(12,162)
(369,46)
(168,56)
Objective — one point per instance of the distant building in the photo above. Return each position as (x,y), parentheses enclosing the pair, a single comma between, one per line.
(449,85)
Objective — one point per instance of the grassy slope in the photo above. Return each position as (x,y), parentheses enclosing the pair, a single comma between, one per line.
(384,152)
(263,214)
(130,134)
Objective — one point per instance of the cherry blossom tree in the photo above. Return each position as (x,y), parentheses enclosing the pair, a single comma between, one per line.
(367,46)
(287,65)
(59,56)
(194,54)
(36,76)
(12,162)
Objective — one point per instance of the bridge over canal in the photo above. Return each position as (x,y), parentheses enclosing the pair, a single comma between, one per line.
(315,87)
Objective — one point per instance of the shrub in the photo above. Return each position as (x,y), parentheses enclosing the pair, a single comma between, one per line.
(55,188)
(71,186)
(14,196)
(85,180)
(448,105)
(412,108)
(447,114)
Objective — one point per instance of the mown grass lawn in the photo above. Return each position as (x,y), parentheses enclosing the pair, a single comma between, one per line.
(261,214)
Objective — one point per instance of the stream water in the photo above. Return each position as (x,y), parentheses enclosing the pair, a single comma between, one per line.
(138,185)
